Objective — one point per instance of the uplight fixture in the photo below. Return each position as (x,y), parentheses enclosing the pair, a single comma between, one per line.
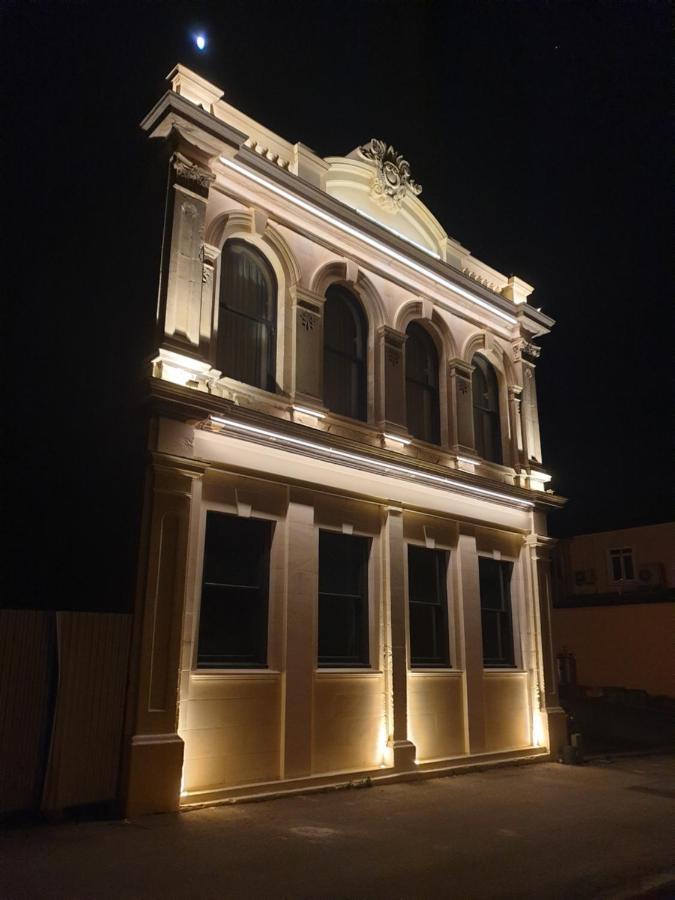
(397,438)
(305,410)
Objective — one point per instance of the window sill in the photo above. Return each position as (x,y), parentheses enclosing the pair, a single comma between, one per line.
(504,670)
(238,673)
(346,671)
(430,670)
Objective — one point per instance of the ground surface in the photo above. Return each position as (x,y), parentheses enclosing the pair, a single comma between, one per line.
(604,830)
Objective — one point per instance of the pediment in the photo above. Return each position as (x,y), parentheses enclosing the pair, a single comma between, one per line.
(376,181)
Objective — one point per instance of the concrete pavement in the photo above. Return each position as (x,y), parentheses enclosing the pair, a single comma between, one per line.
(604,830)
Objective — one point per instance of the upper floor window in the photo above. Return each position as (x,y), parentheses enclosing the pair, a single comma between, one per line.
(421,385)
(345,385)
(621,564)
(486,424)
(247,316)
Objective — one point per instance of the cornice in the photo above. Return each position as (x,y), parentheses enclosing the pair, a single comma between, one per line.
(181,403)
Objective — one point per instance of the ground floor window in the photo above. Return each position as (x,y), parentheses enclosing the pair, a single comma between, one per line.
(495,608)
(428,606)
(235,590)
(622,564)
(343,599)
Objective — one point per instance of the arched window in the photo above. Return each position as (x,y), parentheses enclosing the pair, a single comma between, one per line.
(247,316)
(421,385)
(486,425)
(345,343)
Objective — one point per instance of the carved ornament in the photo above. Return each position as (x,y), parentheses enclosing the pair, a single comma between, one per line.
(392,179)
(524,349)
(191,171)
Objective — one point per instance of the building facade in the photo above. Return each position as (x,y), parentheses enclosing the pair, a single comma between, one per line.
(614,599)
(345,572)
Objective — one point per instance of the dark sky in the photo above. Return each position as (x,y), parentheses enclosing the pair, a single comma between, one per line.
(539,131)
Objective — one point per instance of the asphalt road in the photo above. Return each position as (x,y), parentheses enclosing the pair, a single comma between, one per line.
(604,830)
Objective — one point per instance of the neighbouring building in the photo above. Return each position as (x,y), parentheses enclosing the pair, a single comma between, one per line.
(614,598)
(345,571)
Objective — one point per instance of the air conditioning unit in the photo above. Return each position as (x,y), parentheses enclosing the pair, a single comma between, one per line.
(650,574)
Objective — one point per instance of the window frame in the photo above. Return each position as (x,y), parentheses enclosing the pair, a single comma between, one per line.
(434,437)
(495,414)
(272,650)
(447,619)
(357,309)
(273,384)
(620,554)
(513,617)
(365,664)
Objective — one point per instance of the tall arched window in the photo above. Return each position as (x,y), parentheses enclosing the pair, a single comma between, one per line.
(421,385)
(247,316)
(486,424)
(345,344)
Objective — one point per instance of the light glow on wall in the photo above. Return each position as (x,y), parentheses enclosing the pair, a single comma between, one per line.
(305,410)
(400,235)
(372,242)
(396,438)
(386,467)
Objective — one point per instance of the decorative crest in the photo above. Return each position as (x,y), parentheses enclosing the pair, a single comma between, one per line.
(392,179)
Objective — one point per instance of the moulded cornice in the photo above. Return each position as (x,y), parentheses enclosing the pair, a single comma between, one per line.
(182,403)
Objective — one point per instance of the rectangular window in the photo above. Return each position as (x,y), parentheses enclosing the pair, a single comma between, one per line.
(343,599)
(428,606)
(621,564)
(495,609)
(235,588)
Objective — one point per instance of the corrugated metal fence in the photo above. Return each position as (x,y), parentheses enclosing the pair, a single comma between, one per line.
(62,691)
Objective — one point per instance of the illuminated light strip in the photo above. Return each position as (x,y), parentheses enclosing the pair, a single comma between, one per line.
(395,437)
(471,462)
(364,460)
(308,412)
(399,234)
(372,242)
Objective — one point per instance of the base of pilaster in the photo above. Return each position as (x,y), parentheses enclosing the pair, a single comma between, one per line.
(402,755)
(557,730)
(154,774)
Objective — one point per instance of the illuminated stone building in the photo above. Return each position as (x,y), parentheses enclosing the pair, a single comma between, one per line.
(345,566)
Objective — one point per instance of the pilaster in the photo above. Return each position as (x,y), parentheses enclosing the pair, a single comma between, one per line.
(552,716)
(460,412)
(390,380)
(396,655)
(154,755)
(308,355)
(471,642)
(185,267)
(515,429)
(302,573)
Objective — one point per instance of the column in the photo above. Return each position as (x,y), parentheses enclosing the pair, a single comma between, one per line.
(185,267)
(471,641)
(154,753)
(390,380)
(460,411)
(396,653)
(530,414)
(302,590)
(308,355)
(552,719)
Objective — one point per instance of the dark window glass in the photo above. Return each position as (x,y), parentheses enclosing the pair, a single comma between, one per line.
(428,607)
(421,384)
(486,425)
(616,568)
(247,316)
(344,354)
(622,564)
(233,616)
(343,599)
(495,608)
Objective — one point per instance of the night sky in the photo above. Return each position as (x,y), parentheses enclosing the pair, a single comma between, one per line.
(539,131)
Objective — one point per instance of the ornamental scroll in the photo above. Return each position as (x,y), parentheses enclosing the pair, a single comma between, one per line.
(392,179)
